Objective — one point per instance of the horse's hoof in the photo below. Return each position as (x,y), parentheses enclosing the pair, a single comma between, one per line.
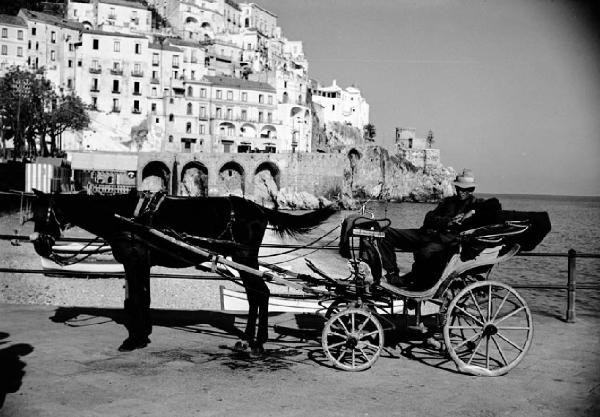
(240,346)
(257,351)
(131,343)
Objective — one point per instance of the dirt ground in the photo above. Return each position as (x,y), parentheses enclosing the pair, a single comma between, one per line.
(63,361)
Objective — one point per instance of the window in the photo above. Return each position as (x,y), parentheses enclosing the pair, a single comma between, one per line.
(269,117)
(154,59)
(136,87)
(52,55)
(285,84)
(20,51)
(137,69)
(261,98)
(37,46)
(155,75)
(229,95)
(33,31)
(202,129)
(190,91)
(117,46)
(244,96)
(333,107)
(218,113)
(116,107)
(4,33)
(115,86)
(171,117)
(138,48)
(94,102)
(229,114)
(188,127)
(270,99)
(154,92)
(170,138)
(260,117)
(95,43)
(95,64)
(116,66)
(70,63)
(53,37)
(94,84)
(244,114)
(153,107)
(20,35)
(189,108)
(203,93)
(29,45)
(193,75)
(136,106)
(74,12)
(175,61)
(219,94)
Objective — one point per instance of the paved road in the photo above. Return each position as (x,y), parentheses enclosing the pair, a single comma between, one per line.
(72,368)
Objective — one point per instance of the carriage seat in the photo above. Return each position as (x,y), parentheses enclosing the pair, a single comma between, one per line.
(356,226)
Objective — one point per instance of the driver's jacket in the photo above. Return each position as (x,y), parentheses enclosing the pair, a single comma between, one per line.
(438,220)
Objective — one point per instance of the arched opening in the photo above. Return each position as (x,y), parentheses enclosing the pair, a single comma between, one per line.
(227,129)
(155,177)
(191,19)
(189,108)
(354,157)
(268,132)
(232,179)
(248,130)
(286,98)
(267,177)
(194,180)
(87,25)
(247,22)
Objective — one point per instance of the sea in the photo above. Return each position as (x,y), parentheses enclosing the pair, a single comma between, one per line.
(575,225)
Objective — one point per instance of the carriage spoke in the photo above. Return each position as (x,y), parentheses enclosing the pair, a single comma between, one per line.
(369,334)
(334,345)
(513,328)
(341,355)
(474,351)
(512,313)
(337,334)
(470,339)
(353,358)
(500,351)
(501,305)
(509,342)
(364,354)
(362,326)
(353,318)
(371,345)
(339,319)
(464,327)
(469,314)
(487,352)
(489,312)
(476,304)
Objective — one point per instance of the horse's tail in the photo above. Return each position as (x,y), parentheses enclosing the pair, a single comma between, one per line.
(291,224)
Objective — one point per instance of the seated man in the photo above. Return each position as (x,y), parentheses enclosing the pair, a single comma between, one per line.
(433,243)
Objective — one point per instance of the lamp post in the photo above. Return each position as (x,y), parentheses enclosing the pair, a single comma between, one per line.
(21,87)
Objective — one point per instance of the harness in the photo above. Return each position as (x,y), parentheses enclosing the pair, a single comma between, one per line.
(147,206)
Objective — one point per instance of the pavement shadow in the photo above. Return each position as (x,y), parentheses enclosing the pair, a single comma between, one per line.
(196,321)
(12,368)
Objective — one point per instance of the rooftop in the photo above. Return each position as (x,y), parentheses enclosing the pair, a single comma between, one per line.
(133,4)
(238,83)
(8,19)
(106,33)
(49,19)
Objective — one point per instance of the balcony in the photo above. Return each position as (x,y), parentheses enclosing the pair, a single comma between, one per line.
(136,111)
(137,93)
(154,81)
(96,70)
(155,63)
(115,110)
(94,90)
(116,91)
(138,73)
(116,71)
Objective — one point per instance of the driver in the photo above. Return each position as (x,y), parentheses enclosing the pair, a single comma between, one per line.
(432,244)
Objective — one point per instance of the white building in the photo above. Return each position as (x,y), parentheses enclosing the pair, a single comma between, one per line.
(342,105)
(13,42)
(111,15)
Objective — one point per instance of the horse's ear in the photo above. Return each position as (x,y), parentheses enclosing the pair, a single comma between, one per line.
(37,192)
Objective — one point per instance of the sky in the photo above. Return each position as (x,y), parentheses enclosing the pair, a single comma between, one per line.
(510,89)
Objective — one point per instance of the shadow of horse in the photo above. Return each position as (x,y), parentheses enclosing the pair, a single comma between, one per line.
(12,367)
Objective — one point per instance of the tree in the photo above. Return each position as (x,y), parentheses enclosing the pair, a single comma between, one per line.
(66,112)
(369,132)
(430,139)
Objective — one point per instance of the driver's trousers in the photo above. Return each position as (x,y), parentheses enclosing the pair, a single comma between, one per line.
(431,251)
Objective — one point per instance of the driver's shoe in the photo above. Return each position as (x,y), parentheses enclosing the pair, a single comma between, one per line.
(397,280)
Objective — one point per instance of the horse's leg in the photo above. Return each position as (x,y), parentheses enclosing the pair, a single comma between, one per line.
(250,331)
(137,299)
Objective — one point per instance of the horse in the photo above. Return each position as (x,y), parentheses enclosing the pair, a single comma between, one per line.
(238,222)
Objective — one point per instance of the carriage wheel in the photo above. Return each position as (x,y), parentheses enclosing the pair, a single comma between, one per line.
(488,329)
(352,339)
(451,292)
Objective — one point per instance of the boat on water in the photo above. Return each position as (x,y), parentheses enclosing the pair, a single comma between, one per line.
(84,259)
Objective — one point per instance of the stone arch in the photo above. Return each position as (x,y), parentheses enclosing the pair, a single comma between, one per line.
(354,157)
(232,179)
(194,180)
(267,182)
(191,19)
(295,111)
(248,130)
(156,176)
(87,25)
(268,132)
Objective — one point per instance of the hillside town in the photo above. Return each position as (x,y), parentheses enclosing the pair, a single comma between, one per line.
(180,76)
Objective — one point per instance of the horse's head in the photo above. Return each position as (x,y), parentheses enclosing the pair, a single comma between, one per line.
(48,224)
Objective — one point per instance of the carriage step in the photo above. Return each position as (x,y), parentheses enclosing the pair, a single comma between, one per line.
(407,293)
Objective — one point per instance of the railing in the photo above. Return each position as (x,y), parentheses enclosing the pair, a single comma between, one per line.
(116,71)
(96,70)
(571,285)
(135,73)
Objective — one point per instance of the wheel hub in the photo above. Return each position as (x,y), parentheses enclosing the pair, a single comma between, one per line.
(490,330)
(352,342)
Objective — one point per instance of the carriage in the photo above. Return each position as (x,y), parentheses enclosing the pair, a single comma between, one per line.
(484,326)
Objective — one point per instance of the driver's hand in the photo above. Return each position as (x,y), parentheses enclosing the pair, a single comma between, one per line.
(457,219)
(468,214)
